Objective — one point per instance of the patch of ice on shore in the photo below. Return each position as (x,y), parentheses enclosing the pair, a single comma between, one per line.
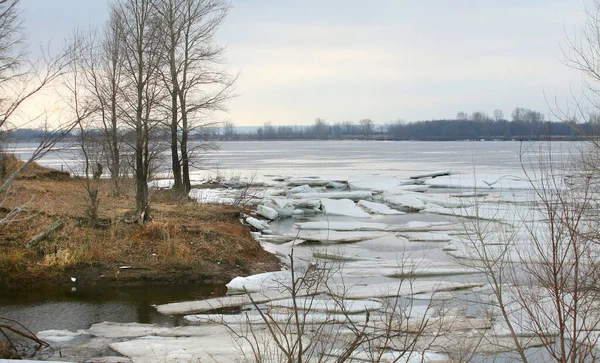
(343,207)
(378,208)
(260,225)
(212,196)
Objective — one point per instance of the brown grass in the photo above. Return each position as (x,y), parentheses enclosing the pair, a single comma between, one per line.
(185,241)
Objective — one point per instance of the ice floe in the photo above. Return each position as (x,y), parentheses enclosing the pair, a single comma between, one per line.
(267,212)
(344,226)
(376,182)
(260,225)
(353,195)
(331,236)
(328,305)
(57,336)
(378,208)
(342,207)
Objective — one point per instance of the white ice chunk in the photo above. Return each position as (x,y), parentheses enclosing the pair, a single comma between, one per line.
(302,189)
(265,281)
(307,203)
(405,201)
(260,225)
(267,212)
(57,336)
(378,208)
(354,195)
(212,196)
(199,306)
(343,207)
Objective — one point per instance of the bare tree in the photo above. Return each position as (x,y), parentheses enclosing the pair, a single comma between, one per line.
(498,115)
(192,74)
(104,74)
(20,81)
(142,90)
(367,126)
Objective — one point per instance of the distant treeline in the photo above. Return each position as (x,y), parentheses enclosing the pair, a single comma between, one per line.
(525,125)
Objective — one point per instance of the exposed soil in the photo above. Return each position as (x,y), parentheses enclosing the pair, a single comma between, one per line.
(184,242)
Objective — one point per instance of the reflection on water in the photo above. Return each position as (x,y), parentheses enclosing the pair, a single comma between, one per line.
(74,308)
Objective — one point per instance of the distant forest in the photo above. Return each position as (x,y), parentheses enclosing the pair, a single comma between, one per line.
(525,125)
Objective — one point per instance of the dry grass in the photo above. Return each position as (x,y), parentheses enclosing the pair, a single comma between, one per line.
(184,242)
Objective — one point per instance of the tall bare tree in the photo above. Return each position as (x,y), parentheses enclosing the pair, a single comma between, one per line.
(192,73)
(141,91)
(104,75)
(20,81)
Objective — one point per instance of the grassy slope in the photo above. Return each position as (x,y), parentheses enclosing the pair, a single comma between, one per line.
(185,242)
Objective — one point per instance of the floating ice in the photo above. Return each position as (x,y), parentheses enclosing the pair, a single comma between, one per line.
(427,236)
(199,306)
(375,182)
(355,195)
(266,281)
(401,288)
(57,336)
(378,208)
(314,181)
(344,226)
(337,236)
(327,305)
(307,203)
(405,201)
(343,207)
(302,189)
(481,181)
(267,212)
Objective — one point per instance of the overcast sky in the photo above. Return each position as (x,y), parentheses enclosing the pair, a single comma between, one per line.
(385,60)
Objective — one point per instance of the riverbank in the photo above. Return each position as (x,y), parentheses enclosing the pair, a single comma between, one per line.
(185,241)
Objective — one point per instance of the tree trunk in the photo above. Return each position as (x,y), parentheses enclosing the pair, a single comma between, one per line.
(185,157)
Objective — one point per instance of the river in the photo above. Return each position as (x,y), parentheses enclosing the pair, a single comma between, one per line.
(268,161)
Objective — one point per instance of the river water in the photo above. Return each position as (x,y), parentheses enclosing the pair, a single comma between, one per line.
(78,308)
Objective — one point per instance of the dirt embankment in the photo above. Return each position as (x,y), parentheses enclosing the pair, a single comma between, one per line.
(184,242)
